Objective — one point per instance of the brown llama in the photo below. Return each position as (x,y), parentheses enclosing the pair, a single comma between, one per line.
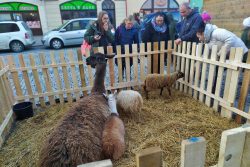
(78,137)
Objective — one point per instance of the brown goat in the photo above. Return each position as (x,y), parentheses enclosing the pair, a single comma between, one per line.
(78,137)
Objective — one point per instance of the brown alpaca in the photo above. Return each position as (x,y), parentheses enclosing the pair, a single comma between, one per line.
(113,138)
(78,137)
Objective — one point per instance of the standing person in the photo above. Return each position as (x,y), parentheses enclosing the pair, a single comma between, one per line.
(99,33)
(125,34)
(156,31)
(190,24)
(212,35)
(246,32)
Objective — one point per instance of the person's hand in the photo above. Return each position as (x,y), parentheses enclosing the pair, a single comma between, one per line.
(97,37)
(177,41)
(105,27)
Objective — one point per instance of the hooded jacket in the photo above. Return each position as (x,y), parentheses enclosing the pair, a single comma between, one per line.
(222,37)
(190,26)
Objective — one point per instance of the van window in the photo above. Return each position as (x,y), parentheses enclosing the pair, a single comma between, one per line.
(8,27)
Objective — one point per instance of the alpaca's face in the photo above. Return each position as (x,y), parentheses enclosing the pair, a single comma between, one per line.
(97,58)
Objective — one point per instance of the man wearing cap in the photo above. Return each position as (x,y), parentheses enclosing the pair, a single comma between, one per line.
(246,32)
(190,24)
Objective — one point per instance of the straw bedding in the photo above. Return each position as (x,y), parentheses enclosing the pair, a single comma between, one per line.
(165,122)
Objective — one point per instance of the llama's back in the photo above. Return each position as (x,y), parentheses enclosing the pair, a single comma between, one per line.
(77,139)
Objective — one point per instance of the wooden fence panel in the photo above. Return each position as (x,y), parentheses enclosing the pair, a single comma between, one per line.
(119,61)
(191,74)
(73,73)
(142,62)
(219,79)
(57,77)
(149,49)
(47,79)
(169,57)
(187,67)
(36,79)
(81,70)
(197,70)
(127,60)
(184,47)
(211,72)
(111,67)
(244,89)
(15,77)
(91,80)
(65,77)
(162,57)
(178,65)
(174,57)
(135,62)
(155,57)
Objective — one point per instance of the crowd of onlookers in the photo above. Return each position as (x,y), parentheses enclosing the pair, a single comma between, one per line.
(194,27)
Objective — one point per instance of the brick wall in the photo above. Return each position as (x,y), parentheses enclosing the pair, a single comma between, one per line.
(228,14)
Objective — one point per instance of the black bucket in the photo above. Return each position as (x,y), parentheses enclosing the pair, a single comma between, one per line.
(23,110)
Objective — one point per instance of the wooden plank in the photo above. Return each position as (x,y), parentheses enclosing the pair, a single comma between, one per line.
(127,60)
(103,163)
(244,90)
(184,47)
(169,57)
(155,58)
(3,107)
(56,76)
(245,161)
(187,70)
(219,78)
(174,57)
(37,80)
(193,152)
(81,70)
(162,56)
(234,80)
(150,157)
(47,79)
(65,76)
(197,69)
(142,62)
(26,79)
(119,60)
(224,112)
(178,65)
(211,74)
(15,77)
(91,78)
(6,126)
(149,47)
(73,73)
(191,74)
(111,67)
(135,63)
(231,147)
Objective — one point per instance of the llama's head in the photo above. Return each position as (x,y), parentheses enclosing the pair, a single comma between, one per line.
(180,74)
(98,58)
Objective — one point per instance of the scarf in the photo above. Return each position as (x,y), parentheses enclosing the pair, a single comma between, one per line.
(159,28)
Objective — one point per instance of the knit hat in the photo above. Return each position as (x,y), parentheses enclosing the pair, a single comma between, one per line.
(206,17)
(246,22)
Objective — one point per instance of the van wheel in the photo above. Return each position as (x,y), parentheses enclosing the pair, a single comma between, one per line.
(56,44)
(16,46)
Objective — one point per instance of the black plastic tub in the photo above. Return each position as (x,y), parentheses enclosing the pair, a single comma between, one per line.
(23,110)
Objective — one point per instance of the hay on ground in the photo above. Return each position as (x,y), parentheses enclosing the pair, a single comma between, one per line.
(165,122)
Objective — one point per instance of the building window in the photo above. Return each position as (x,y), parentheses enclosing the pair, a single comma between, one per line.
(109,6)
(151,6)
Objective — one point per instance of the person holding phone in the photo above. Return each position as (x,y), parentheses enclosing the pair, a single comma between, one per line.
(99,33)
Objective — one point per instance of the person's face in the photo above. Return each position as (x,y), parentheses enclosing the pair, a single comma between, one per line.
(159,20)
(128,24)
(184,11)
(200,36)
(105,18)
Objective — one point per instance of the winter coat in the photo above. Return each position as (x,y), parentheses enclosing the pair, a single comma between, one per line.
(150,35)
(222,37)
(246,37)
(190,26)
(107,38)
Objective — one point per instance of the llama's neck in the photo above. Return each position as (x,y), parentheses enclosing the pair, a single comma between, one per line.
(99,86)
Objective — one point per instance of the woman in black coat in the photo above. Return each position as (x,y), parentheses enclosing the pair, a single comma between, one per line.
(156,31)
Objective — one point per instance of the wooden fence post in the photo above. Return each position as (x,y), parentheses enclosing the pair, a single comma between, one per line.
(169,55)
(184,45)
(142,62)
(119,61)
(111,67)
(127,60)
(81,70)
(162,58)
(178,65)
(193,152)
(187,67)
(197,70)
(150,157)
(231,147)
(191,74)
(155,58)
